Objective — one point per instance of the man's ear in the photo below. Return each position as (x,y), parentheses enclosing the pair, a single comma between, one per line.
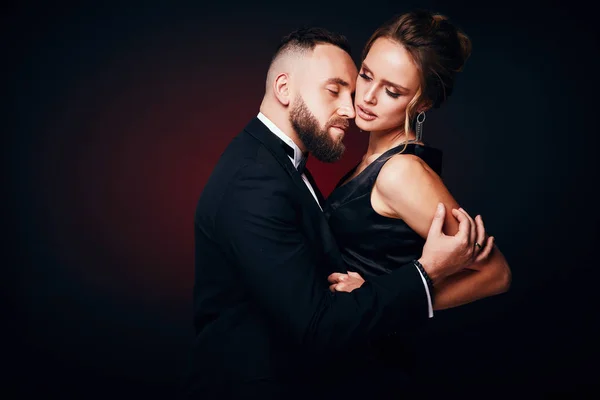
(281,89)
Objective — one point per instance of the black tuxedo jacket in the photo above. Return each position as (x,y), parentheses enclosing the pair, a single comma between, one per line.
(266,323)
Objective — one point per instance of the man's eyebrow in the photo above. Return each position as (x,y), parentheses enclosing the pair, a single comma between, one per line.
(339,81)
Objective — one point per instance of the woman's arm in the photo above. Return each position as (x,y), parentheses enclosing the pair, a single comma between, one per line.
(468,286)
(408,189)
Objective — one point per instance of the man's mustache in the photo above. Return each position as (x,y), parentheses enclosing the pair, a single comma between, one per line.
(341,122)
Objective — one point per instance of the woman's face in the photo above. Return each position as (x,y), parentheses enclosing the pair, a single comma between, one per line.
(387,82)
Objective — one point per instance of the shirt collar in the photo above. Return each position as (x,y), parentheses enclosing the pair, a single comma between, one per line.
(298,156)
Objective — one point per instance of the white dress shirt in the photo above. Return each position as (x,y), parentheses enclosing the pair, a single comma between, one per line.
(296,161)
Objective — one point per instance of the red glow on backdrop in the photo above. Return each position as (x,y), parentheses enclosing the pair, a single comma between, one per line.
(127,161)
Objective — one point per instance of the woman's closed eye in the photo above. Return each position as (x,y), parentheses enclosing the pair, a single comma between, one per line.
(392,94)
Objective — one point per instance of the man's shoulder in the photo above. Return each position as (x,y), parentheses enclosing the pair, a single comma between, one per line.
(245,156)
(244,159)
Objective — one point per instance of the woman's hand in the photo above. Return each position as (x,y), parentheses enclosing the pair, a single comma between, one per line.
(345,282)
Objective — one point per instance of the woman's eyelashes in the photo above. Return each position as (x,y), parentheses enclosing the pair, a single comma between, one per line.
(387,91)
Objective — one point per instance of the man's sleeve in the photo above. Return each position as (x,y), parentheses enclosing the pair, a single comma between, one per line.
(259,228)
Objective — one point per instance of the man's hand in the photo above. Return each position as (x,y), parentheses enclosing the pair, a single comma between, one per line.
(345,282)
(445,255)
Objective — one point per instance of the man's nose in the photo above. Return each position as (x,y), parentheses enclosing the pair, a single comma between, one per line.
(347,111)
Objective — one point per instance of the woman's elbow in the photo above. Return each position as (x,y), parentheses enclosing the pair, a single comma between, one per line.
(504,278)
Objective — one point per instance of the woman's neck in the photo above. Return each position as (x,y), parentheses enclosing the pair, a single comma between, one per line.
(380,142)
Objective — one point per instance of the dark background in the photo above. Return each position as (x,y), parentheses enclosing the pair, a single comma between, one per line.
(117,113)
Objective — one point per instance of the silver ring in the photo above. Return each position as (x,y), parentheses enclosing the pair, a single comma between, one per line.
(478,245)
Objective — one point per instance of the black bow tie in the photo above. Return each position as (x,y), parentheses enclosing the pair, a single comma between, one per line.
(290,152)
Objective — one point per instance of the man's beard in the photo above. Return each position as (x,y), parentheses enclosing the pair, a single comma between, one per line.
(317,141)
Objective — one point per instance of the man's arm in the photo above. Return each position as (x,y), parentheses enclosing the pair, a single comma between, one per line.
(257,224)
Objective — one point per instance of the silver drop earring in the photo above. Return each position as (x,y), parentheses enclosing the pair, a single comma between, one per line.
(420,120)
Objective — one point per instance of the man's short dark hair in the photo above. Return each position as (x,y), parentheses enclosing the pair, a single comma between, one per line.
(307,38)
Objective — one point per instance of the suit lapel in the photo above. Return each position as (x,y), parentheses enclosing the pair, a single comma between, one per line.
(324,241)
(315,187)
(273,144)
